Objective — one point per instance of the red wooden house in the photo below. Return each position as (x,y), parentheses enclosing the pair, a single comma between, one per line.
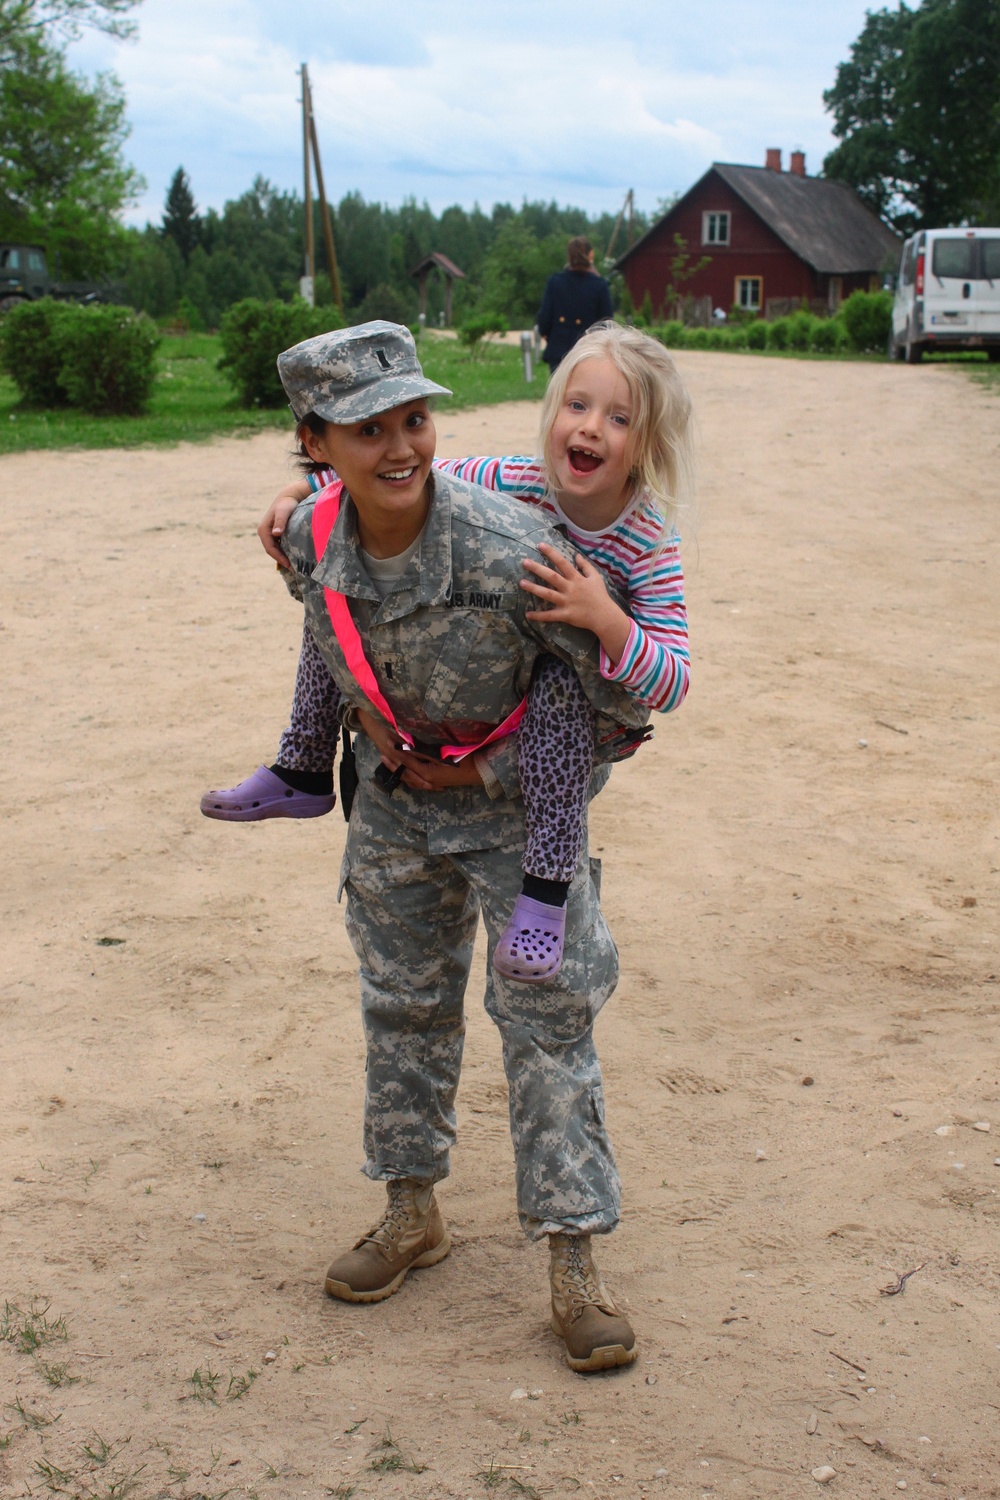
(773,238)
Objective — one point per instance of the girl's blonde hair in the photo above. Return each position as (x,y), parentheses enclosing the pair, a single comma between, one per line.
(660,451)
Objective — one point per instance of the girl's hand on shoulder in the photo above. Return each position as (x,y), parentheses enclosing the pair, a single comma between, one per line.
(272,527)
(573,592)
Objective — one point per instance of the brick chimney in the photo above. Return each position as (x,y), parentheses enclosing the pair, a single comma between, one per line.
(797,163)
(773,159)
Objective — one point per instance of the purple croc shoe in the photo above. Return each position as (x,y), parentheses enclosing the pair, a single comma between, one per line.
(264,795)
(531,948)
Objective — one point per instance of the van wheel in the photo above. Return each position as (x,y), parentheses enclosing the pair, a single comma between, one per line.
(993,354)
(913,351)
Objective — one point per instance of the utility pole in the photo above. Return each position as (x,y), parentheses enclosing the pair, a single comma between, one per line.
(307,285)
(310,141)
(629,204)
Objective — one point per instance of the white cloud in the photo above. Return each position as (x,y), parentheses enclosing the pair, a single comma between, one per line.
(453,102)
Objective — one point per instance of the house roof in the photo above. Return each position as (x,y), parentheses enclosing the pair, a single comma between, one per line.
(823,222)
(437,259)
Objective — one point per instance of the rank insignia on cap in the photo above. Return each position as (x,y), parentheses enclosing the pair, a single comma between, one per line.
(380,356)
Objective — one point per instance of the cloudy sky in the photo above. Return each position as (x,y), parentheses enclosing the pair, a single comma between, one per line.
(455,101)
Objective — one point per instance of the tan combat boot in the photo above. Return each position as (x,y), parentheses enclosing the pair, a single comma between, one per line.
(410,1233)
(596,1334)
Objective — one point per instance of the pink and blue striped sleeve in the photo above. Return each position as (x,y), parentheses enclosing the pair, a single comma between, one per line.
(655,665)
(516,475)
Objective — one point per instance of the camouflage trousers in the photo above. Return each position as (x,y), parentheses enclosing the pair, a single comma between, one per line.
(412,917)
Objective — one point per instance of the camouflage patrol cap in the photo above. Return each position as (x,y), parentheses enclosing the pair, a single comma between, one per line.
(351,374)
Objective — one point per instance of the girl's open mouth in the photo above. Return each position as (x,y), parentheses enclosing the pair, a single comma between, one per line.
(582,461)
(399,476)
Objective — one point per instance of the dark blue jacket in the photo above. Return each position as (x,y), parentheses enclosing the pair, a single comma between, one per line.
(573,300)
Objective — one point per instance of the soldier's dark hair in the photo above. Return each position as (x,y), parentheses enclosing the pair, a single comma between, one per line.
(317,426)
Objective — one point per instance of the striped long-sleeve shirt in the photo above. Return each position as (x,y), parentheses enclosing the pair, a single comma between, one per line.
(654,666)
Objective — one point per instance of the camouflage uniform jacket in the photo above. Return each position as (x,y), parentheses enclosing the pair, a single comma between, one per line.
(451,648)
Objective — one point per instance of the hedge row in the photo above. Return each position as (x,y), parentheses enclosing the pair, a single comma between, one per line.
(862,325)
(100,359)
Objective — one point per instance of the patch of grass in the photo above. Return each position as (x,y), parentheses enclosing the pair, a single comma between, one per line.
(58,1375)
(100,1452)
(392,1460)
(495,373)
(28,1330)
(205,1385)
(55,1479)
(34,1420)
(498,1474)
(240,1384)
(192,401)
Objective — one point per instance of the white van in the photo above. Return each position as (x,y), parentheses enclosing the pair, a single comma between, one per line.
(947,293)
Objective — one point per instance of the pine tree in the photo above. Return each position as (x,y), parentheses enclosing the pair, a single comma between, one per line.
(180,215)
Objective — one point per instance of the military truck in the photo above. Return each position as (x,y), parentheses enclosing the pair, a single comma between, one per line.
(24,277)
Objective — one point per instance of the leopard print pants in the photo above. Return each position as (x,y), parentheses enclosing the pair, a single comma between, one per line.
(555,753)
(310,741)
(555,761)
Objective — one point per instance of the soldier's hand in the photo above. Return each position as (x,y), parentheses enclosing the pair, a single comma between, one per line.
(275,519)
(426,775)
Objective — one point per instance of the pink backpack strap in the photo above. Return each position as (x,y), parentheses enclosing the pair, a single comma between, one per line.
(324,518)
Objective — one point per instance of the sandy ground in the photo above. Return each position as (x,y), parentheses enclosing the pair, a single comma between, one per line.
(802,875)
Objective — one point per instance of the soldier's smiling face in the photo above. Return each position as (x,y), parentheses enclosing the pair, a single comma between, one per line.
(383,461)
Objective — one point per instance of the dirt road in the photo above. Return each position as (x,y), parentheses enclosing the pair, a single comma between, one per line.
(801,1059)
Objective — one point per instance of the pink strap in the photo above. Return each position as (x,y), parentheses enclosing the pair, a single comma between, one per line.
(324,518)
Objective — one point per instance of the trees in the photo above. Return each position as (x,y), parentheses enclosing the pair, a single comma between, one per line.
(915,110)
(63,179)
(180,215)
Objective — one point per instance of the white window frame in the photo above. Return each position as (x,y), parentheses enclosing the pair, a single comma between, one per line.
(712,220)
(749,306)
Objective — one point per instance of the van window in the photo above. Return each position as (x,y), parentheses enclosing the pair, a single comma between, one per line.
(990,251)
(909,259)
(36,260)
(10,260)
(953,258)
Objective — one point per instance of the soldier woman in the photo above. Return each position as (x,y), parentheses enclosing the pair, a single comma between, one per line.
(410,581)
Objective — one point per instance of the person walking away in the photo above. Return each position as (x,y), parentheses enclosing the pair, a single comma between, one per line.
(575,298)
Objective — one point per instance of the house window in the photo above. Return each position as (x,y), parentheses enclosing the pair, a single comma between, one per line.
(748,292)
(715,229)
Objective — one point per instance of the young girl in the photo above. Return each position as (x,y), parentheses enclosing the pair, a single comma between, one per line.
(615,439)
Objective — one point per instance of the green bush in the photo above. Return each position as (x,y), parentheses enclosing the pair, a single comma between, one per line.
(737,338)
(254,333)
(696,338)
(777,334)
(108,359)
(800,327)
(476,328)
(29,349)
(757,335)
(827,336)
(671,334)
(718,338)
(867,317)
(100,359)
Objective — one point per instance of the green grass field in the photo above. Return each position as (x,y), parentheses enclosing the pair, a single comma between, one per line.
(192,401)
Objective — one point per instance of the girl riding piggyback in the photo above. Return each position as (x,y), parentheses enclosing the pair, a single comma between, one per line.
(615,442)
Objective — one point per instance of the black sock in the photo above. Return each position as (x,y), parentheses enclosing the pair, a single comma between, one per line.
(318,783)
(551,892)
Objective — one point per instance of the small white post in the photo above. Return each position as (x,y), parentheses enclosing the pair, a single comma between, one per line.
(526,342)
(307,290)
